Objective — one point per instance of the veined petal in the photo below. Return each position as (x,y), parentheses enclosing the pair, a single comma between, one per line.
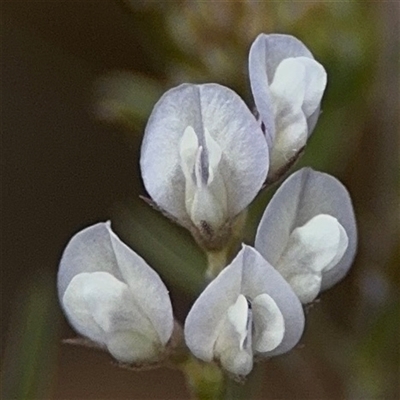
(232,142)
(98,249)
(301,197)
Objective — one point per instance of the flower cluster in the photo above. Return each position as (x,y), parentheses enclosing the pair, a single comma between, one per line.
(204,158)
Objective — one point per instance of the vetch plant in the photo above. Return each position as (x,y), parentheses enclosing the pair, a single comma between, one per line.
(204,158)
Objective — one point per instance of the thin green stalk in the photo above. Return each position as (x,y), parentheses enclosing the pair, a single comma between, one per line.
(205,380)
(217,260)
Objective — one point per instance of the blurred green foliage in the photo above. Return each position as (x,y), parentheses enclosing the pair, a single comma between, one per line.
(32,343)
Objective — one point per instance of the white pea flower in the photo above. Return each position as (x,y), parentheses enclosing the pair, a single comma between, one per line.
(203,159)
(308,232)
(248,310)
(112,297)
(287,85)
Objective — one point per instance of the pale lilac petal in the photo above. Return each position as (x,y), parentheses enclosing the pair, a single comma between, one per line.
(149,291)
(302,196)
(224,126)
(276,48)
(266,53)
(203,323)
(90,250)
(98,249)
(260,277)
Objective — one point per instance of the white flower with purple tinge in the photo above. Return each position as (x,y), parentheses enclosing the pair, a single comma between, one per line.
(308,232)
(203,158)
(248,310)
(112,297)
(287,85)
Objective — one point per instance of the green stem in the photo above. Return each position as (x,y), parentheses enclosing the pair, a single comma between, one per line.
(217,260)
(205,380)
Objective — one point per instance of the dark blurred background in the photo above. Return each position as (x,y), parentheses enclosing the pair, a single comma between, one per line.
(79,80)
